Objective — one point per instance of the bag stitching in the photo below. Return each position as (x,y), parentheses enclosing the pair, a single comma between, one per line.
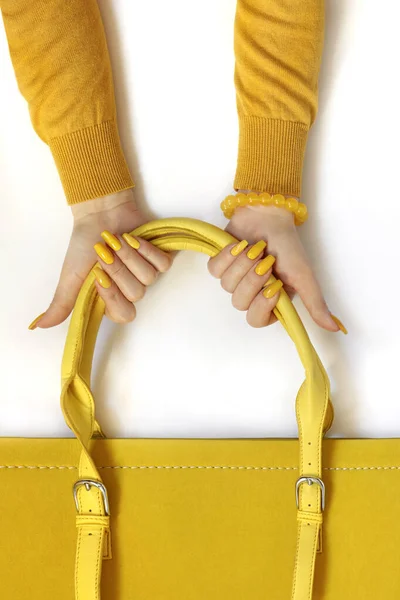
(312,570)
(206,467)
(77,565)
(296,560)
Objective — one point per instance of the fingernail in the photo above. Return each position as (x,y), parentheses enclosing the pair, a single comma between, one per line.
(256,250)
(273,289)
(265,265)
(104,253)
(102,277)
(339,324)
(236,250)
(131,241)
(111,240)
(35,322)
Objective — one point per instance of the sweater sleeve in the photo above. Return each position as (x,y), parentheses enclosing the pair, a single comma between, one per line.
(278,47)
(60,57)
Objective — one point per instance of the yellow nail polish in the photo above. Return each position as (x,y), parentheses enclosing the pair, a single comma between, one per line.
(35,322)
(131,241)
(273,289)
(339,324)
(236,250)
(256,250)
(104,253)
(111,240)
(102,277)
(265,265)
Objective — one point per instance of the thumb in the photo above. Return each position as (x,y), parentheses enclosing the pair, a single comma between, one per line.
(311,295)
(63,301)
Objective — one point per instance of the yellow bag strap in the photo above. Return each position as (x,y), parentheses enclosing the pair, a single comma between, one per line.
(313,409)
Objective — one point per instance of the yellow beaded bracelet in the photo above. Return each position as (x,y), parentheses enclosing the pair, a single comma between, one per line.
(231,203)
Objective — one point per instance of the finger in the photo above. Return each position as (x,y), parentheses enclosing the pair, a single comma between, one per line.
(153,255)
(311,295)
(63,302)
(142,258)
(118,308)
(251,284)
(127,283)
(224,259)
(260,311)
(234,273)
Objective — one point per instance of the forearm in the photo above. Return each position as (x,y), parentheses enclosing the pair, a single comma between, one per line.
(278,47)
(61,61)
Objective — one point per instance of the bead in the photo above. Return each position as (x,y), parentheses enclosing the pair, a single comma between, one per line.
(301,212)
(279,200)
(266,198)
(292,204)
(298,209)
(241,200)
(231,202)
(253,199)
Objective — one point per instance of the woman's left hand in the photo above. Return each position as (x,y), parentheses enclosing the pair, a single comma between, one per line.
(244,269)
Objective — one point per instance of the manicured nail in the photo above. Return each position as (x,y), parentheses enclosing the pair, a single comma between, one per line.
(102,277)
(273,289)
(111,240)
(339,324)
(265,265)
(256,250)
(35,322)
(236,250)
(131,241)
(104,253)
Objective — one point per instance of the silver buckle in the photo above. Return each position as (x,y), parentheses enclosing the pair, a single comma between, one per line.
(88,483)
(310,481)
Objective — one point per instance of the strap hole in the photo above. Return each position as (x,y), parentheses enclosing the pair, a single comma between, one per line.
(90,510)
(309,505)
(91,534)
(309,443)
(309,464)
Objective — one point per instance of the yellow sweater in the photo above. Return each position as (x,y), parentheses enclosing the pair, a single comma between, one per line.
(61,61)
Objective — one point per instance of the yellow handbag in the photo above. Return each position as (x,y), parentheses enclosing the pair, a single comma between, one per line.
(187,519)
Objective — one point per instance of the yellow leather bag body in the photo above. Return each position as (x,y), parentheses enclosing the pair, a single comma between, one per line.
(187,519)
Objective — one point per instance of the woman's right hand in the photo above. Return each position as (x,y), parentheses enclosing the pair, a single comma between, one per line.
(128,265)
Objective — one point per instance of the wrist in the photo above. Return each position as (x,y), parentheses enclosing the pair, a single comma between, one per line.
(264,217)
(290,204)
(103,204)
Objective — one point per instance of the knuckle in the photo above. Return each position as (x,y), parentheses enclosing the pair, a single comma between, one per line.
(146,250)
(253,322)
(254,281)
(117,270)
(149,276)
(138,294)
(257,319)
(126,255)
(125,317)
(165,263)
(213,268)
(226,285)
(128,318)
(239,303)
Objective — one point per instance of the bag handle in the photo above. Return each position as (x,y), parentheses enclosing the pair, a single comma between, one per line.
(313,408)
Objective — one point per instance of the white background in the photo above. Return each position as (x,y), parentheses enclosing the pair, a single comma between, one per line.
(190,366)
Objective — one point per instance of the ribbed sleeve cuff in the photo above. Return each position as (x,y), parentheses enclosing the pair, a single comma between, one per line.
(91,162)
(271,155)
